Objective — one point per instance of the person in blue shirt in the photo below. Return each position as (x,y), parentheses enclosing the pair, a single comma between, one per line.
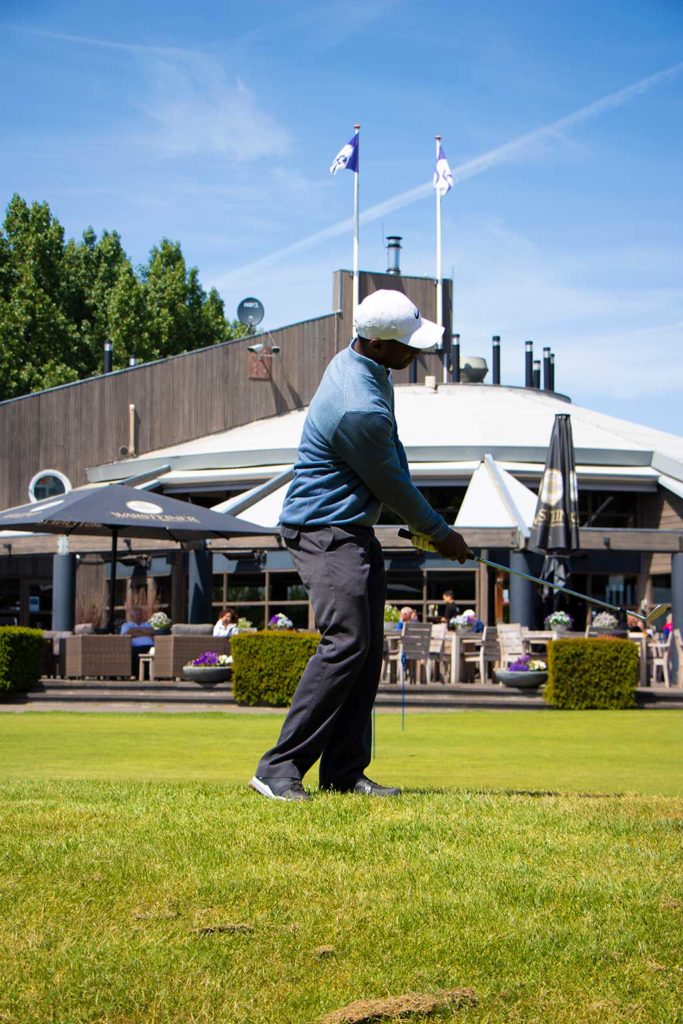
(141,635)
(406,614)
(350,462)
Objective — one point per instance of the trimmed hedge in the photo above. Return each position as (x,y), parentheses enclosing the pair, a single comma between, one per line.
(592,673)
(268,665)
(21,658)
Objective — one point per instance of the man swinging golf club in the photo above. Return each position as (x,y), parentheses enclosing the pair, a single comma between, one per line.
(350,462)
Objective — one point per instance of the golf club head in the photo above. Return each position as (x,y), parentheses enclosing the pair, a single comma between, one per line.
(656,612)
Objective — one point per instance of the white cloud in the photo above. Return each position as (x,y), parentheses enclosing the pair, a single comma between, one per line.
(198,111)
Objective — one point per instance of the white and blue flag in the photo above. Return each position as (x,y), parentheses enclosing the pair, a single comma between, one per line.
(443,176)
(347,157)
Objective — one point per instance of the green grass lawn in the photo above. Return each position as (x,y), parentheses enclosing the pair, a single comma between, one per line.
(535,858)
(596,751)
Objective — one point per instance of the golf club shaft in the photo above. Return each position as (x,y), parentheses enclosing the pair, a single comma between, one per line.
(424,544)
(556,586)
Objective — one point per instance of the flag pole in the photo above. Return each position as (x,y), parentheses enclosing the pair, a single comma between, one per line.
(439,275)
(356,232)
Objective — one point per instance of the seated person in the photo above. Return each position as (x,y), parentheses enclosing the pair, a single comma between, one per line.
(477,624)
(634,624)
(140,632)
(227,623)
(407,614)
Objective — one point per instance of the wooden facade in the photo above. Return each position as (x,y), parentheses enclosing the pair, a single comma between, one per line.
(175,400)
(178,399)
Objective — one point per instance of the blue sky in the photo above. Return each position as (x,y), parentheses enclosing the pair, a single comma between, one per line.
(215,123)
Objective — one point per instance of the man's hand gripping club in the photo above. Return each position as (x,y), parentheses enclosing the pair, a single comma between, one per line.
(454,547)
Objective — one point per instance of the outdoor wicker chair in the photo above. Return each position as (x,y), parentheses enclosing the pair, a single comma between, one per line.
(174,651)
(53,651)
(93,655)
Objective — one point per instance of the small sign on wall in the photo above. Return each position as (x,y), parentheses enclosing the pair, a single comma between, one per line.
(260,366)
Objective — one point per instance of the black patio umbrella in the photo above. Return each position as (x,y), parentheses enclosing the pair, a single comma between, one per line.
(119,511)
(555,528)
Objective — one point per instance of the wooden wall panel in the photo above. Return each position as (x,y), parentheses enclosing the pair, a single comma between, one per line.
(187,396)
(77,426)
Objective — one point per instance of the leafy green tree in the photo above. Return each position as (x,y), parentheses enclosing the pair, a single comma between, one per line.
(60,302)
(166,298)
(37,340)
(127,320)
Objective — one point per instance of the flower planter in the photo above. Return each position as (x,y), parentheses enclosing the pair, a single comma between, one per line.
(207,673)
(521,680)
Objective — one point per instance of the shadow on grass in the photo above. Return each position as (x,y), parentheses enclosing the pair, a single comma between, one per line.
(496,791)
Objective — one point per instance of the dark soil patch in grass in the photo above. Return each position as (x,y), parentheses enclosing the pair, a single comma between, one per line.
(411,1004)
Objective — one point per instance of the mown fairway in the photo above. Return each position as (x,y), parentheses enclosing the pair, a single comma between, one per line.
(537,859)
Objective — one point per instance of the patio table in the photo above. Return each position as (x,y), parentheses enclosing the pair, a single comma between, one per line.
(456,644)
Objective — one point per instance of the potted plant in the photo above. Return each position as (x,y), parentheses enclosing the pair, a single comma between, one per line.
(463,623)
(391,617)
(209,667)
(605,622)
(160,622)
(560,622)
(280,621)
(525,673)
(244,623)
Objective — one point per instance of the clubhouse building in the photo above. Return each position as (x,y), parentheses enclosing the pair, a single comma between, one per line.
(221,426)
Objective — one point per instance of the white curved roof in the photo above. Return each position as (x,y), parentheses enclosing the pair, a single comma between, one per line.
(446,433)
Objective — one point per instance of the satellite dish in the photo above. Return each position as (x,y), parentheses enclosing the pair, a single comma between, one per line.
(250,312)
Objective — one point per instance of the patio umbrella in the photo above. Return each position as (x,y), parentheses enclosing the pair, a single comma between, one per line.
(119,511)
(555,529)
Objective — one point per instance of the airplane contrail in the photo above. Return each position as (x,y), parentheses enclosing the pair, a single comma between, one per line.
(66,37)
(469,169)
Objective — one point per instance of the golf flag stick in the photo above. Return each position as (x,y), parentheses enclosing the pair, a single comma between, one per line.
(423,543)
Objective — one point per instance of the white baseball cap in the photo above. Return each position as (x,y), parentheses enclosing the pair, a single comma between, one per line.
(388,314)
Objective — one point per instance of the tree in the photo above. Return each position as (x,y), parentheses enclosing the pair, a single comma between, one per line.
(127,320)
(37,340)
(60,302)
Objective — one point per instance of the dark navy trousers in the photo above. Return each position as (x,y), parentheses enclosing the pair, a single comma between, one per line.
(342,568)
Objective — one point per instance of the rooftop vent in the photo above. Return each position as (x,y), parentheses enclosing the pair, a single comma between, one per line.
(393,257)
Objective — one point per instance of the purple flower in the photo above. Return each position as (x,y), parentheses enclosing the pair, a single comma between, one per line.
(521,664)
(206,658)
(280,621)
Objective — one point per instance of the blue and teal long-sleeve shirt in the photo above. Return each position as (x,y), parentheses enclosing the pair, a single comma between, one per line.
(350,460)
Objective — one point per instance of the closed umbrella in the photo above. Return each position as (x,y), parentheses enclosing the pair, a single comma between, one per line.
(119,511)
(555,529)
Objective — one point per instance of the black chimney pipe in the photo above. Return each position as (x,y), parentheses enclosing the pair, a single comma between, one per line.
(546,368)
(108,355)
(455,357)
(536,376)
(528,364)
(496,358)
(552,371)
